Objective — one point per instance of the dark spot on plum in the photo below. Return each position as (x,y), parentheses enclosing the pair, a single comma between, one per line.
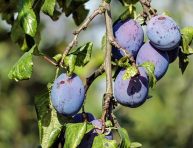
(62,82)
(158,41)
(157,32)
(153,23)
(173,42)
(161,37)
(161,18)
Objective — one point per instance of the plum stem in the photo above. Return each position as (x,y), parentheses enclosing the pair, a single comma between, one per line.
(148,11)
(50,60)
(100,10)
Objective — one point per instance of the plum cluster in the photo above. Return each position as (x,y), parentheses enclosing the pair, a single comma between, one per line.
(161,49)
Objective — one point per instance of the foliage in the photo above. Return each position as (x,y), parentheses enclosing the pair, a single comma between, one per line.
(25,31)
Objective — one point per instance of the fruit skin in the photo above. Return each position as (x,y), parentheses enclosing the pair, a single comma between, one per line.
(67,94)
(88,139)
(163,32)
(129,35)
(79,117)
(160,59)
(131,92)
(173,54)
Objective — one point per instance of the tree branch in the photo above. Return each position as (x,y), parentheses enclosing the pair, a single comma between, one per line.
(76,33)
(92,77)
(108,96)
(50,60)
(148,11)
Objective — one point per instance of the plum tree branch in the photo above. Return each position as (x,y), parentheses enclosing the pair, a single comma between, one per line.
(50,60)
(93,76)
(148,11)
(108,96)
(99,10)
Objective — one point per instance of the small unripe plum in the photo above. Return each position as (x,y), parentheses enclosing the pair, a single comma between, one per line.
(98,129)
(88,139)
(173,54)
(129,35)
(131,92)
(79,117)
(67,94)
(163,32)
(148,53)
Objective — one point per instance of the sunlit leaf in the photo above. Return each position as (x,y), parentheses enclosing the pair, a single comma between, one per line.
(49,122)
(23,68)
(101,142)
(74,134)
(150,68)
(125,141)
(48,7)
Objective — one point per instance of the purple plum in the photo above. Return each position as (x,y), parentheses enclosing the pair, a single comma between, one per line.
(129,34)
(148,53)
(163,33)
(131,92)
(67,94)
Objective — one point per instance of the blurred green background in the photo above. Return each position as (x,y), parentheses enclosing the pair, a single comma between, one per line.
(164,121)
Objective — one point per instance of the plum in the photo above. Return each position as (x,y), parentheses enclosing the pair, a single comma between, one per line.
(88,138)
(163,33)
(67,94)
(148,53)
(131,92)
(79,117)
(173,54)
(129,34)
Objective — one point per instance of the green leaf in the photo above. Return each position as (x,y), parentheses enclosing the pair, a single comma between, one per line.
(57,57)
(131,71)
(101,142)
(23,68)
(70,62)
(130,12)
(83,54)
(49,122)
(80,14)
(74,5)
(28,21)
(128,2)
(74,134)
(135,145)
(125,141)
(187,37)
(16,31)
(183,61)
(54,135)
(104,42)
(150,68)
(48,7)
(123,62)
(68,2)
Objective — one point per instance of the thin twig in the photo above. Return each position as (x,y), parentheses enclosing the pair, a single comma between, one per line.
(76,33)
(148,11)
(50,60)
(92,77)
(125,52)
